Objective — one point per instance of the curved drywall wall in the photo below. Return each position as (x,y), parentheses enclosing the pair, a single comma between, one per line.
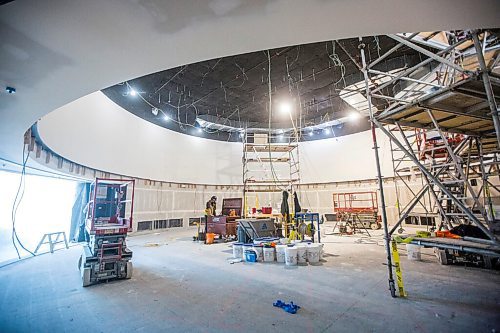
(56,51)
(95,132)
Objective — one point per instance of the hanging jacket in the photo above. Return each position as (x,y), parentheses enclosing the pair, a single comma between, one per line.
(285,210)
(296,203)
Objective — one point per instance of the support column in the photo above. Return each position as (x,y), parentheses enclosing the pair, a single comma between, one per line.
(387,240)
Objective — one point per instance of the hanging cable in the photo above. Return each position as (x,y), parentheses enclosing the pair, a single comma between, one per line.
(17,201)
(269,131)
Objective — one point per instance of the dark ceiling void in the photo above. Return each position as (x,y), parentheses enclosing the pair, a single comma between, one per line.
(220,98)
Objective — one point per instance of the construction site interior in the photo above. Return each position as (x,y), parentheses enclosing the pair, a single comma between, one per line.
(209,169)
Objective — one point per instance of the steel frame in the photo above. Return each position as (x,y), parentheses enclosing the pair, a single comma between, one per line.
(456,165)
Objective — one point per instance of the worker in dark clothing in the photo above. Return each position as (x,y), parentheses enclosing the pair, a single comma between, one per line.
(210,210)
(211,206)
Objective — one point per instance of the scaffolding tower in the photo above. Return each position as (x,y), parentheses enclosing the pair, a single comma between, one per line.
(442,119)
(408,179)
(270,165)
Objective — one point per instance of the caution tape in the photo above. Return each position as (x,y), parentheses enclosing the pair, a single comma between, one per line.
(397,264)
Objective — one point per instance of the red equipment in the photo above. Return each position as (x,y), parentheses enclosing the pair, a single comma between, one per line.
(357,210)
(430,144)
(108,220)
(225,225)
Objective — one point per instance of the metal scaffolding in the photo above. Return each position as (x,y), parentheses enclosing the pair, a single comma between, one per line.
(442,119)
(270,163)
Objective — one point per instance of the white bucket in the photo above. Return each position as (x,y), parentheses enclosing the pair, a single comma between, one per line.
(268,254)
(283,240)
(291,255)
(259,241)
(313,251)
(302,254)
(280,253)
(321,252)
(237,250)
(414,252)
(260,253)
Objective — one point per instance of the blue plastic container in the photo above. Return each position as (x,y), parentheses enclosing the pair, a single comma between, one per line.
(250,256)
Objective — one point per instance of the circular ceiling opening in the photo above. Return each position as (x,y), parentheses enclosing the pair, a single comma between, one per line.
(310,89)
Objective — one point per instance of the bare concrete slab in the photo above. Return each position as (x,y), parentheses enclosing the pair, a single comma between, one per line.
(182,286)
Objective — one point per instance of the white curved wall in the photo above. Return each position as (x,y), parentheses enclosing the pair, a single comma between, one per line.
(96,132)
(56,51)
(346,158)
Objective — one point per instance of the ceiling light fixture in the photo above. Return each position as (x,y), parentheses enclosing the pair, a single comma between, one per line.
(132,92)
(353,116)
(285,107)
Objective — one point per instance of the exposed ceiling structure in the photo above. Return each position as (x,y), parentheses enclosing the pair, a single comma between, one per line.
(54,52)
(222,97)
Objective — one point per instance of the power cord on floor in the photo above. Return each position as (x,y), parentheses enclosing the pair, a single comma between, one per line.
(17,202)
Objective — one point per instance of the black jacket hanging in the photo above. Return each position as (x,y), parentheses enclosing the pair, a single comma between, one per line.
(285,210)
(296,203)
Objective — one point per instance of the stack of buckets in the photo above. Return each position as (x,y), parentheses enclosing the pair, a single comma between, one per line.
(275,249)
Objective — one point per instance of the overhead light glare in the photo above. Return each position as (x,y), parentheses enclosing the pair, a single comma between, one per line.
(327,131)
(353,116)
(132,92)
(166,118)
(285,107)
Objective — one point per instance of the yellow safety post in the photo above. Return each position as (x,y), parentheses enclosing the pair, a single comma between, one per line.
(397,264)
(245,206)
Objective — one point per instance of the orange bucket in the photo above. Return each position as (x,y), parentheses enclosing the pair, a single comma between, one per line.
(210,238)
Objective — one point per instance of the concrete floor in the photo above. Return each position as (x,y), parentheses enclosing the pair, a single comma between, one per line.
(182,286)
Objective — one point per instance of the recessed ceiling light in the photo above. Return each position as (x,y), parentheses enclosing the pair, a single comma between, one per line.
(132,92)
